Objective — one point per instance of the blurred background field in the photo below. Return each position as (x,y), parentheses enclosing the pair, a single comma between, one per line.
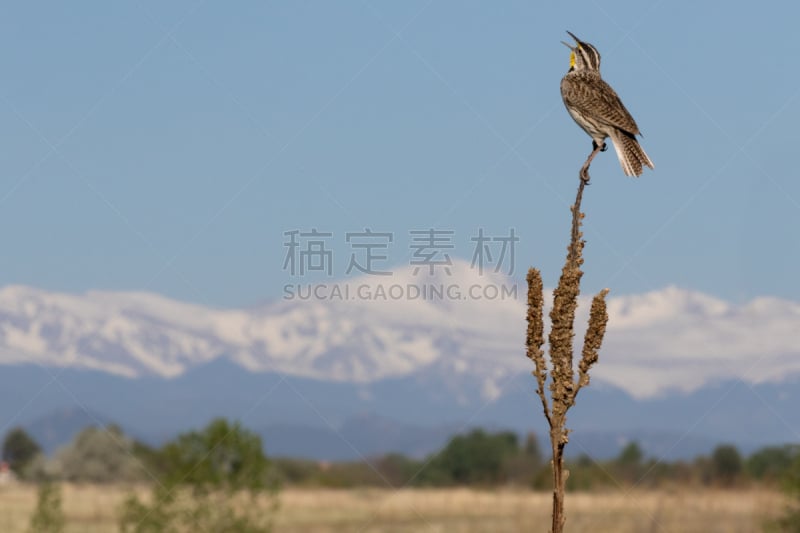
(218,478)
(93,509)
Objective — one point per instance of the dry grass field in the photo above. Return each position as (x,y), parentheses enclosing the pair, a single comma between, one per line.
(91,509)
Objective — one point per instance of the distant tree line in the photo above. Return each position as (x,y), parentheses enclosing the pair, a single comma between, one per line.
(214,479)
(196,475)
(484,459)
(476,458)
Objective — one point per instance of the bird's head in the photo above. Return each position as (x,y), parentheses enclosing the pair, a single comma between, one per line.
(583,55)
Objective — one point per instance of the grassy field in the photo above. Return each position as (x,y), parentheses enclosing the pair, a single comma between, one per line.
(91,509)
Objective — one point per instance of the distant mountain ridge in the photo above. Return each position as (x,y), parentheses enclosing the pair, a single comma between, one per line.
(139,334)
(412,415)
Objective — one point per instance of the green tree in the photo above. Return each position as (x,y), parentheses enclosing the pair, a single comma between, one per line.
(222,456)
(790,521)
(532,448)
(585,474)
(772,462)
(19,449)
(628,464)
(524,467)
(218,466)
(100,455)
(474,458)
(48,517)
(631,455)
(726,464)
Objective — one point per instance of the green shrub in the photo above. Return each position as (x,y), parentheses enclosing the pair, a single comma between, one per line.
(214,480)
(48,517)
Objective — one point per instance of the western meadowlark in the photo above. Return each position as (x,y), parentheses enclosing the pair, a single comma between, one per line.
(598,110)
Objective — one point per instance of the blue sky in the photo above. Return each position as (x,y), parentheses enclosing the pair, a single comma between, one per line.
(168,146)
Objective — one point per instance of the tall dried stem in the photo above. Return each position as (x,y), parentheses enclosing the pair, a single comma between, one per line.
(564,386)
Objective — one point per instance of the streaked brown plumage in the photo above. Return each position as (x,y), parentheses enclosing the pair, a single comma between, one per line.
(595,106)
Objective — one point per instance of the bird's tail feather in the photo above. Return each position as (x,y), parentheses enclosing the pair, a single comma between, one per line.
(631,155)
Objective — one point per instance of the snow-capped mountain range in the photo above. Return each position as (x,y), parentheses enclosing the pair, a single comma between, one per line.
(368,329)
(326,375)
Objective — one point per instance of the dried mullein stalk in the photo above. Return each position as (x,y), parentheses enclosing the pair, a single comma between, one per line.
(563,384)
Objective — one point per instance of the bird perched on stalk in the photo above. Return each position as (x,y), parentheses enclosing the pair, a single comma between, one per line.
(597,109)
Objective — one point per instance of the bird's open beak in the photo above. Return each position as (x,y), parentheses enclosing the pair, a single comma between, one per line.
(573,36)
(568,45)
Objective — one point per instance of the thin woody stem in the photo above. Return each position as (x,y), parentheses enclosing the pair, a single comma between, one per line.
(585,169)
(563,385)
(563,388)
(575,236)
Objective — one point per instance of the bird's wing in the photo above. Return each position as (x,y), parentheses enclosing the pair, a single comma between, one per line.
(600,101)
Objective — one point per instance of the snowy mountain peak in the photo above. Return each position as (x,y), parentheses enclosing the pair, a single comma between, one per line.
(661,340)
